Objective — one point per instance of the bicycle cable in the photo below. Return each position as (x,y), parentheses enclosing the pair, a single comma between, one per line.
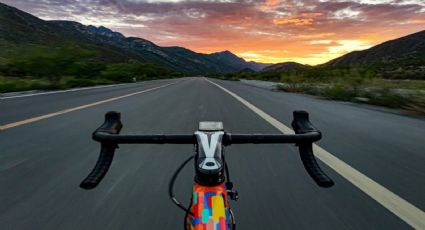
(171,186)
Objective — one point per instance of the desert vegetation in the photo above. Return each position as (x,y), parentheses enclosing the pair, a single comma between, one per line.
(401,87)
(68,65)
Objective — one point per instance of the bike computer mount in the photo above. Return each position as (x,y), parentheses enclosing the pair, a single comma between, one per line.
(209,160)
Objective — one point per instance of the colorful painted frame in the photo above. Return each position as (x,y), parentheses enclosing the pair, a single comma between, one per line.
(210,209)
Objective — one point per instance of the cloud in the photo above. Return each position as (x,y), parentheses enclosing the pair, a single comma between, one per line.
(308,31)
(347,13)
(293,21)
(319,42)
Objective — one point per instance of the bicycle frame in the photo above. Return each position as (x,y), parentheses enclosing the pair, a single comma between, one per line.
(209,207)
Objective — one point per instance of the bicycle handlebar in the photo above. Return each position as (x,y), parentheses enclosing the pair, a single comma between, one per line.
(301,125)
(228,138)
(112,125)
(108,136)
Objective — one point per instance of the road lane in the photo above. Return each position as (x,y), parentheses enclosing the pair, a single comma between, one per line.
(21,108)
(72,109)
(388,148)
(42,164)
(409,213)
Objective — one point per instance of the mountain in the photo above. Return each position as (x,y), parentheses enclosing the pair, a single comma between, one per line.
(177,58)
(230,58)
(19,28)
(247,70)
(174,57)
(285,66)
(403,51)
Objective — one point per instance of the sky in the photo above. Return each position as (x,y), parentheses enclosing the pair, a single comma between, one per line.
(270,31)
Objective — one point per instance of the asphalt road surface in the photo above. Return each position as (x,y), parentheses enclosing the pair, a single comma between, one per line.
(42,161)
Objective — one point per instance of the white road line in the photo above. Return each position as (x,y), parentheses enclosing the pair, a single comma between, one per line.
(409,213)
(63,91)
(34,119)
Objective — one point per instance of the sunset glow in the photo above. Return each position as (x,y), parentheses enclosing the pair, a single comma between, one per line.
(305,31)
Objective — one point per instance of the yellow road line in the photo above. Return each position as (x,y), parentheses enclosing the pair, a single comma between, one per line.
(42,117)
(409,213)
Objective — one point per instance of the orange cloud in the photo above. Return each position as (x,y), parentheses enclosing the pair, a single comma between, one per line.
(293,21)
(316,36)
(270,4)
(417,21)
(311,14)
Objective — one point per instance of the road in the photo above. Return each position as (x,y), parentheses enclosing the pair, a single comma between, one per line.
(46,150)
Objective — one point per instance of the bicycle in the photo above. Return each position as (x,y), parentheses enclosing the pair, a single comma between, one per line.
(209,206)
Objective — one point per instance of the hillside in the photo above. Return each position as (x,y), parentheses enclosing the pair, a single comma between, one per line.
(37,54)
(285,66)
(403,51)
(20,30)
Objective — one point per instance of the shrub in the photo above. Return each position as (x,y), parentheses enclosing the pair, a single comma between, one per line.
(339,92)
(79,83)
(387,97)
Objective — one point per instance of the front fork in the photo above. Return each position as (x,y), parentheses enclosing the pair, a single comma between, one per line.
(209,209)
